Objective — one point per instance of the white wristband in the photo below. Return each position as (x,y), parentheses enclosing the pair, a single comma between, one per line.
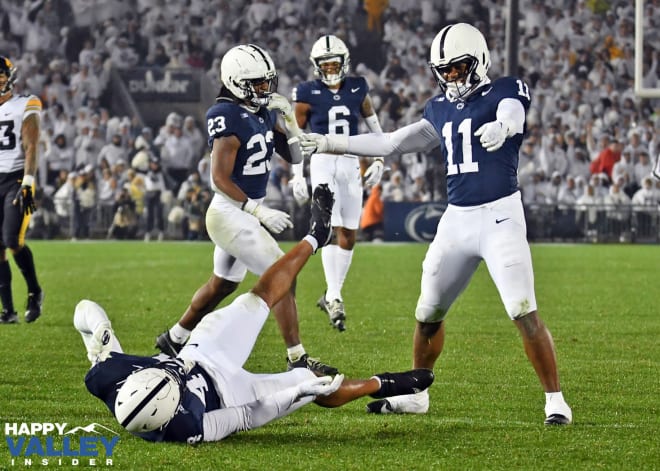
(28,180)
(373,124)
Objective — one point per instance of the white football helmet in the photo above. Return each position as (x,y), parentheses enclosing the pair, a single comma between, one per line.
(147,400)
(243,69)
(463,48)
(326,48)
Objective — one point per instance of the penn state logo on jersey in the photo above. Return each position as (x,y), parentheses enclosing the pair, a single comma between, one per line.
(475,176)
(337,112)
(255,131)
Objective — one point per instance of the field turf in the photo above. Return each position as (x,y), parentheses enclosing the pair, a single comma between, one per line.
(486,404)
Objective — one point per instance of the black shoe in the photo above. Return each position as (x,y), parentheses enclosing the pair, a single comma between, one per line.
(408,382)
(168,346)
(557,419)
(34,302)
(382,406)
(319,226)
(312,364)
(8,317)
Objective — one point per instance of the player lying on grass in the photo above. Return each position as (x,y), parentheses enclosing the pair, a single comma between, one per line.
(204,394)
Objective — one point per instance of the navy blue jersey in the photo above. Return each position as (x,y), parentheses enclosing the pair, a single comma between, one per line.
(475,176)
(333,113)
(255,131)
(104,379)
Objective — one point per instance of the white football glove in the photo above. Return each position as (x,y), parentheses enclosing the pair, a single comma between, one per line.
(493,134)
(323,386)
(280,103)
(312,143)
(298,185)
(374,173)
(275,221)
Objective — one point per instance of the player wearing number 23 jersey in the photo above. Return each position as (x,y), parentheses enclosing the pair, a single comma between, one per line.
(479,127)
(243,134)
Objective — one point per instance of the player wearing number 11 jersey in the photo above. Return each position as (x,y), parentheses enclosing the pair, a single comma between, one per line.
(241,133)
(479,126)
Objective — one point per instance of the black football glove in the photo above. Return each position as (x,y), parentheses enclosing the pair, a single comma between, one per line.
(25,200)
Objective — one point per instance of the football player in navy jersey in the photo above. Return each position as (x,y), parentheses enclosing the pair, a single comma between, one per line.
(242,127)
(479,126)
(204,394)
(334,103)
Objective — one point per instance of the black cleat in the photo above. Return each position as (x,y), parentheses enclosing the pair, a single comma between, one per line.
(168,346)
(381,406)
(408,382)
(557,419)
(312,364)
(319,226)
(34,303)
(8,317)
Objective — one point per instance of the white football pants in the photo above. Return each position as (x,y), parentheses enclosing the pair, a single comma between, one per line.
(495,233)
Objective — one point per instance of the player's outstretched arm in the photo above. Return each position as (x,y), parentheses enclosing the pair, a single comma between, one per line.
(416,137)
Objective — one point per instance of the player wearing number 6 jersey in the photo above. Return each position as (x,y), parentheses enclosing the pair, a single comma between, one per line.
(334,104)
(479,126)
(241,135)
(19,135)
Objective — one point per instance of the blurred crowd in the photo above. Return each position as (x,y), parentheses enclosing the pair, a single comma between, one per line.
(590,140)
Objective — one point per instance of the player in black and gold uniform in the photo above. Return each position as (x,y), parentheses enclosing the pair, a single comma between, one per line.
(19,135)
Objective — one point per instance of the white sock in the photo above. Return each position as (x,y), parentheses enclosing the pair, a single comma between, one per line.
(328,257)
(179,334)
(294,353)
(343,260)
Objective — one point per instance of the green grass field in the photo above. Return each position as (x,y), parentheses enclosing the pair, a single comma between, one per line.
(486,412)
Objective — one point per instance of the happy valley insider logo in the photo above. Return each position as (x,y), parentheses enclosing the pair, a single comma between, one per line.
(421,223)
(47,443)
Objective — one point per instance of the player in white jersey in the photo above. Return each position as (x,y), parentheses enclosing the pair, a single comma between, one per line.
(479,126)
(19,135)
(334,103)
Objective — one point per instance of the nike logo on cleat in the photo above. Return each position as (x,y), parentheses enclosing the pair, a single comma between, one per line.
(497,221)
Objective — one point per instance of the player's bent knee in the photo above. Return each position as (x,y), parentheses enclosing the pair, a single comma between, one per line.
(429,314)
(82,310)
(520,308)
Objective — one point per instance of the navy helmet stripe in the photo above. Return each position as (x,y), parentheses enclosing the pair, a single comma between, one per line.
(261,53)
(145,401)
(442,41)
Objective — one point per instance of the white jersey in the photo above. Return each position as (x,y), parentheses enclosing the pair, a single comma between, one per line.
(12,114)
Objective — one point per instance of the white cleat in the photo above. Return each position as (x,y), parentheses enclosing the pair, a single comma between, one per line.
(101,344)
(557,412)
(406,404)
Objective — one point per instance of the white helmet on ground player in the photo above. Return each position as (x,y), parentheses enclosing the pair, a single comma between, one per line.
(244,69)
(330,48)
(459,48)
(148,399)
